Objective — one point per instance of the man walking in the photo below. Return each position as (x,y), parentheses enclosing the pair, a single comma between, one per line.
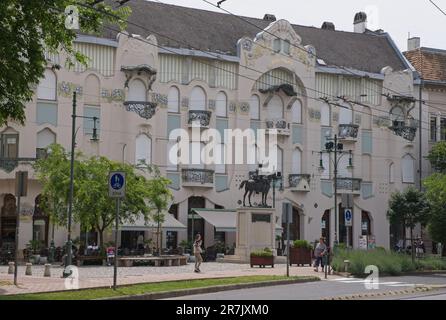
(319,253)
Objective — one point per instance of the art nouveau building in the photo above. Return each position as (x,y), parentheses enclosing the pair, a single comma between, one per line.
(182,64)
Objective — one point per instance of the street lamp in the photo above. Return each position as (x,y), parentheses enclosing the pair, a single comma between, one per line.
(332,146)
(70,199)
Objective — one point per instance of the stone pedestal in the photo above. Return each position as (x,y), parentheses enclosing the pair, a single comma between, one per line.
(28,271)
(256,228)
(11,267)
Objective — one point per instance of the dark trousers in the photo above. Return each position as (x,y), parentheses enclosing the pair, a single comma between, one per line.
(319,261)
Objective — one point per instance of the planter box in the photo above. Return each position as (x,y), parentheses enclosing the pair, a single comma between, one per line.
(262,262)
(301,256)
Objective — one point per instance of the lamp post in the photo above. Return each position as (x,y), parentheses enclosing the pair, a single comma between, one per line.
(332,146)
(70,199)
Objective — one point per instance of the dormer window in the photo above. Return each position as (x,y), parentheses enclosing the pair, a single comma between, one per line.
(281,46)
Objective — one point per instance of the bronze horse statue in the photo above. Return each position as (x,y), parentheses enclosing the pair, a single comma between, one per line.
(259,184)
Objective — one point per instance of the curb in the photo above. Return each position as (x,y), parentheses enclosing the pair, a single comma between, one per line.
(383,294)
(187,292)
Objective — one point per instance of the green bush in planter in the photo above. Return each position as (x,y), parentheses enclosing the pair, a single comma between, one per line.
(265,253)
(302,244)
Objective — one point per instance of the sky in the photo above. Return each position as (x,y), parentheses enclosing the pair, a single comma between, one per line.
(397,17)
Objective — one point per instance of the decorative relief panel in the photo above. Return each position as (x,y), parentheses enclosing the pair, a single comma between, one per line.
(160,99)
(244,107)
(233,107)
(116,95)
(335,117)
(185,103)
(66,89)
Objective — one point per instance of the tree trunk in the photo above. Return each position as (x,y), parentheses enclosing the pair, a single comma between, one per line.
(158,234)
(101,239)
(412,249)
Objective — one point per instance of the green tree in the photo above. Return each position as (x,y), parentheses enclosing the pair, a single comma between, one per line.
(437,157)
(28,29)
(436,194)
(92,207)
(408,208)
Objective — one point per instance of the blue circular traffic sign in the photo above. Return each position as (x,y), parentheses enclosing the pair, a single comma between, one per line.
(117,181)
(348,215)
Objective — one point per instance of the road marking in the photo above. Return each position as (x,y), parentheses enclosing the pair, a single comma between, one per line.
(389,283)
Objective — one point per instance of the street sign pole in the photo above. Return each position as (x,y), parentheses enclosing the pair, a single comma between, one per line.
(115,268)
(287,216)
(21,191)
(116,189)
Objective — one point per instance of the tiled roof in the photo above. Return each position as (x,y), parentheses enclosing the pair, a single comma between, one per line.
(430,63)
(219,32)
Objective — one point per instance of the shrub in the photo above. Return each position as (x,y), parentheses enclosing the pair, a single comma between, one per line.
(265,253)
(302,244)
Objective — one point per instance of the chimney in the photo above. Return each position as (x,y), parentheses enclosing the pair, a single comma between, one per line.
(269,17)
(360,23)
(413,43)
(328,26)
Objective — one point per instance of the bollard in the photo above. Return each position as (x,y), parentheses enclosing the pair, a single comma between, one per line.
(47,272)
(346,265)
(11,268)
(28,271)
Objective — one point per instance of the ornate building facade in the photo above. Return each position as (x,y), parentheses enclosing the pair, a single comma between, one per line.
(175,66)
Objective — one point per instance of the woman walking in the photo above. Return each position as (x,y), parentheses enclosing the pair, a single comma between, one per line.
(197,252)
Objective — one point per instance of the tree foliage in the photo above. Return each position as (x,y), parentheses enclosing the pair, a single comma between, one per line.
(28,29)
(437,157)
(409,208)
(436,194)
(92,206)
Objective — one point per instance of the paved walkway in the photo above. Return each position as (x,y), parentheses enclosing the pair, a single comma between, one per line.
(103,276)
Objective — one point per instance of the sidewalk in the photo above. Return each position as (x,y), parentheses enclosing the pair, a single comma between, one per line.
(90,277)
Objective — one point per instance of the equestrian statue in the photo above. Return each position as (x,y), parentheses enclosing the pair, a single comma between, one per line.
(258,184)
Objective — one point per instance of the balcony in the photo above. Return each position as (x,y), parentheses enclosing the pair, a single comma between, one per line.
(8,165)
(198,178)
(144,109)
(349,186)
(348,132)
(199,118)
(299,182)
(278,124)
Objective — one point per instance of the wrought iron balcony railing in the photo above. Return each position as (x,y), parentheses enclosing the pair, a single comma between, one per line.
(199,118)
(348,131)
(278,124)
(348,185)
(198,177)
(144,109)
(9,164)
(299,182)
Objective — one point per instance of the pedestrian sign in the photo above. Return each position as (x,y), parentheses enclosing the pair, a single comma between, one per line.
(348,217)
(116,185)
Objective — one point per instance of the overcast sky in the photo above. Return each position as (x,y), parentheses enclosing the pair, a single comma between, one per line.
(398,17)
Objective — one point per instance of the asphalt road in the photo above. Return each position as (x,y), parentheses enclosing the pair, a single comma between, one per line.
(327,289)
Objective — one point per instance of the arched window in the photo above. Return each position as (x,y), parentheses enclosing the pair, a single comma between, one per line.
(137,91)
(275,108)
(47,86)
(296,111)
(279,160)
(392,173)
(143,150)
(367,168)
(397,114)
(344,170)
(408,168)
(45,138)
(221,105)
(197,99)
(345,115)
(254,108)
(92,90)
(297,161)
(173,100)
(367,118)
(196,149)
(325,115)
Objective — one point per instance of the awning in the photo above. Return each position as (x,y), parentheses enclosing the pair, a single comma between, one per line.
(170,223)
(223,220)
